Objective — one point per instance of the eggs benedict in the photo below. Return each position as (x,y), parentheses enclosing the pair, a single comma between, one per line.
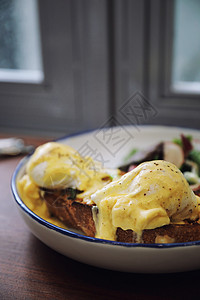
(152,195)
(56,175)
(152,203)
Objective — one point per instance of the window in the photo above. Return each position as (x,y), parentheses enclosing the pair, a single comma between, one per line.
(186,47)
(172,90)
(54,66)
(20,51)
(85,59)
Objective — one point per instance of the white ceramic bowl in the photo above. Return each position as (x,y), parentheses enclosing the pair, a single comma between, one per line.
(128,257)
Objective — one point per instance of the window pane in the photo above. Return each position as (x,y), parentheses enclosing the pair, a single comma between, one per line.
(20,50)
(186,46)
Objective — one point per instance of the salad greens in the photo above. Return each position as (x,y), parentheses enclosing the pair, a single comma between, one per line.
(179,141)
(184,154)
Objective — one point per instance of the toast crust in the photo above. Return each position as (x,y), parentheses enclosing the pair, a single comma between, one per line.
(172,233)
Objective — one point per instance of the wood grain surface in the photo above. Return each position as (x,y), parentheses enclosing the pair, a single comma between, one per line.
(31,270)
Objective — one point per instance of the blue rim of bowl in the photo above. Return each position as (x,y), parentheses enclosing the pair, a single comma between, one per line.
(78,235)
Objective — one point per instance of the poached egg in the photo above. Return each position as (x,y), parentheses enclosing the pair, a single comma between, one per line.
(59,166)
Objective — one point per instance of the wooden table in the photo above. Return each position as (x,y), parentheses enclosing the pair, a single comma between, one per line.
(31,270)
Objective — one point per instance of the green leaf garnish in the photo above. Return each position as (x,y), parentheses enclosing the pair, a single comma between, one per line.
(130,154)
(194,155)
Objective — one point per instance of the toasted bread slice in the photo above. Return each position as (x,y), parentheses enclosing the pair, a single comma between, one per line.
(78,215)
(173,233)
(74,213)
